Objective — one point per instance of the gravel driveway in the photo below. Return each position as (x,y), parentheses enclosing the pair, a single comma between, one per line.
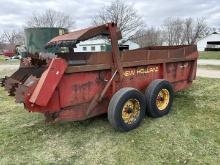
(202,72)
(3,67)
(209,62)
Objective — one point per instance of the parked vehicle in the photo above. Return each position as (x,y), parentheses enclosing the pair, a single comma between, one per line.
(8,53)
(17,57)
(76,86)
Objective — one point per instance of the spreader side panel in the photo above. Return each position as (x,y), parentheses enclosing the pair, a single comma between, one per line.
(80,88)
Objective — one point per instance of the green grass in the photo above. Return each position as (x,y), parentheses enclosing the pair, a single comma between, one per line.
(209,55)
(189,134)
(210,67)
(4,61)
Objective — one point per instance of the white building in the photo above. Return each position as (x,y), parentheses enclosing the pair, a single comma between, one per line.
(98,45)
(132,45)
(209,42)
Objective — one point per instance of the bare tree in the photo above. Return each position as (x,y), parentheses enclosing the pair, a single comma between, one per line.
(188,30)
(2,39)
(149,37)
(50,18)
(120,12)
(2,44)
(200,30)
(184,31)
(195,29)
(173,30)
(13,37)
(10,39)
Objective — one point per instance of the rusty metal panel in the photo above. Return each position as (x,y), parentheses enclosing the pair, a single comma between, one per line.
(86,68)
(181,85)
(136,55)
(158,54)
(131,58)
(190,49)
(89,58)
(177,53)
(82,35)
(48,82)
(69,36)
(22,88)
(80,87)
(178,71)
(79,112)
(99,58)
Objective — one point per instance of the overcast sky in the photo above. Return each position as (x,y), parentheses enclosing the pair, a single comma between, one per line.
(13,13)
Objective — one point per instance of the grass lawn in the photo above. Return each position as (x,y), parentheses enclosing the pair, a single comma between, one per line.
(4,61)
(190,134)
(209,55)
(210,67)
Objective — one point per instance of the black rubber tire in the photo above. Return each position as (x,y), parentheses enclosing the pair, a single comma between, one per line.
(116,105)
(151,94)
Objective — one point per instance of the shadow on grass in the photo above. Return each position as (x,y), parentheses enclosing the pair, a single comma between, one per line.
(181,100)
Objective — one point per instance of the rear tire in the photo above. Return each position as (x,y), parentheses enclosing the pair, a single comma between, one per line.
(159,98)
(126,109)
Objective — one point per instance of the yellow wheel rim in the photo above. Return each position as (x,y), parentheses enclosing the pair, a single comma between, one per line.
(163,99)
(131,111)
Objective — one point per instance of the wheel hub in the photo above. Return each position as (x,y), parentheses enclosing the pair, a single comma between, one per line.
(131,111)
(163,99)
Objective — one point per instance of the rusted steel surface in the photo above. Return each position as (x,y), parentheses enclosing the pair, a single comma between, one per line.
(94,61)
(22,88)
(82,35)
(48,82)
(115,53)
(77,86)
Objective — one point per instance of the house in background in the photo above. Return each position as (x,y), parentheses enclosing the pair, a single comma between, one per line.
(209,43)
(102,45)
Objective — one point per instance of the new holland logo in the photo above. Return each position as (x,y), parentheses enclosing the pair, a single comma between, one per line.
(140,71)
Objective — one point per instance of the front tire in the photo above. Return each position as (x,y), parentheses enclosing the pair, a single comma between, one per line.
(126,109)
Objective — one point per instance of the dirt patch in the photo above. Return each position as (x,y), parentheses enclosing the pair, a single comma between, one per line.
(3,67)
